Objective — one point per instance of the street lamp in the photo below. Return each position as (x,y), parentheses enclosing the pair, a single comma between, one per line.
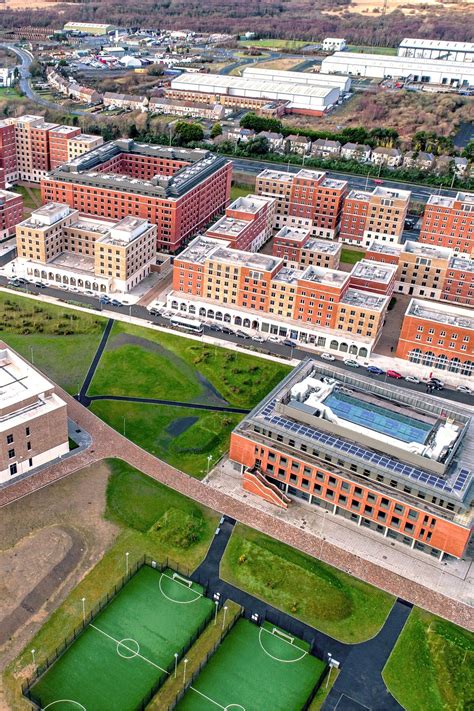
(184,671)
(83,600)
(223,619)
(175,663)
(216,603)
(33,655)
(209,460)
(126,562)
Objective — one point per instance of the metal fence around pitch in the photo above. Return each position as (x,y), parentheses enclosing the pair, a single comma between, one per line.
(203,662)
(68,641)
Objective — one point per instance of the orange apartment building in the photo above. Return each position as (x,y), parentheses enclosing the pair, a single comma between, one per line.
(426,271)
(439,336)
(247,224)
(30,147)
(312,305)
(11,213)
(179,190)
(449,222)
(374,215)
(298,249)
(307,199)
(405,475)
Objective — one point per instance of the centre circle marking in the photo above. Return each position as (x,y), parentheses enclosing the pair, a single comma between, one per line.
(125,648)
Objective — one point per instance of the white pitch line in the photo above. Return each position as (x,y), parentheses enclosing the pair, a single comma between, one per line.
(277,659)
(118,641)
(208,698)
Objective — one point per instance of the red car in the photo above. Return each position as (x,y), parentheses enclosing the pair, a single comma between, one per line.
(394,374)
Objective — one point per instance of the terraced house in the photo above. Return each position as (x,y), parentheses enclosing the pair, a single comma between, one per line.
(378,456)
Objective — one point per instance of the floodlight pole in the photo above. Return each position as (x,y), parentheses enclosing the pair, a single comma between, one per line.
(209,460)
(175,664)
(124,426)
(32,355)
(330,668)
(184,671)
(126,562)
(83,600)
(34,659)
(223,619)
(216,603)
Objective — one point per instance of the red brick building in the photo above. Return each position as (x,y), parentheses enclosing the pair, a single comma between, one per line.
(449,222)
(11,213)
(304,445)
(59,138)
(307,199)
(439,336)
(298,249)
(247,223)
(8,159)
(180,190)
(374,215)
(458,285)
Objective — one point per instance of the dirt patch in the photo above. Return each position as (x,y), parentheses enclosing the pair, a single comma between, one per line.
(59,529)
(284,63)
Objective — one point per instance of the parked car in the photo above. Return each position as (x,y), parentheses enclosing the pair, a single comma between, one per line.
(328,356)
(394,374)
(464,389)
(274,339)
(215,327)
(226,329)
(412,379)
(258,339)
(328,381)
(105,300)
(241,334)
(288,342)
(64,287)
(154,312)
(352,363)
(88,292)
(115,302)
(435,381)
(375,370)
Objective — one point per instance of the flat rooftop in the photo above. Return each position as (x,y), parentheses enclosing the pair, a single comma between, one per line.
(324,246)
(441,313)
(385,248)
(364,299)
(321,275)
(252,260)
(294,234)
(263,86)
(373,271)
(88,169)
(18,381)
(74,262)
(449,201)
(230,226)
(414,42)
(426,250)
(277,175)
(463,262)
(46,215)
(64,130)
(371,424)
(251,204)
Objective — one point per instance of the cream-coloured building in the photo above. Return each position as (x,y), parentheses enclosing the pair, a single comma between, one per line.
(58,244)
(33,418)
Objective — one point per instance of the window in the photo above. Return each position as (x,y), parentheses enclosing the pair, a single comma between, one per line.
(28,445)
(13,469)
(11,453)
(10,439)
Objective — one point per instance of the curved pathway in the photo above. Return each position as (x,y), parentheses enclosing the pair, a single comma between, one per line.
(86,400)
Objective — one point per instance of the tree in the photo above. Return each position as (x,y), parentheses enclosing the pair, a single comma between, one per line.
(259,123)
(62,63)
(216,130)
(468,152)
(155,70)
(188,132)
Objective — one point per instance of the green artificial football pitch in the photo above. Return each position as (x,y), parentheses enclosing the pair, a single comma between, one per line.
(255,668)
(125,650)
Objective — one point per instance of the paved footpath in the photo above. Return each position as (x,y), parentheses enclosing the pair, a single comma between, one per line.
(106,442)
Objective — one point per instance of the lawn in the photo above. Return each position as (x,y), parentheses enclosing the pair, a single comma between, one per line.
(277,43)
(152,520)
(183,437)
(323,597)
(143,362)
(60,342)
(372,50)
(432,665)
(31,196)
(239,190)
(351,256)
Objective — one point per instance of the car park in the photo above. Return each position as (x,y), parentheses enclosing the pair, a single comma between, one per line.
(394,374)
(351,363)
(328,356)
(375,370)
(412,379)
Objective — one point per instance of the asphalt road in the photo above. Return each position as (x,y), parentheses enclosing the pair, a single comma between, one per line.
(360,182)
(278,349)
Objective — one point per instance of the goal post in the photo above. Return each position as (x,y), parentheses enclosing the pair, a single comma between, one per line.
(180,579)
(284,635)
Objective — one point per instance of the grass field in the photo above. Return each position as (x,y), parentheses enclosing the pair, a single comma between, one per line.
(323,597)
(61,342)
(128,647)
(183,437)
(173,525)
(277,43)
(255,670)
(372,50)
(351,256)
(31,196)
(238,190)
(432,665)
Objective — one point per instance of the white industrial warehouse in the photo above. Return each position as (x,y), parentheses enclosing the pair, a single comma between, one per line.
(436,49)
(299,98)
(432,71)
(312,78)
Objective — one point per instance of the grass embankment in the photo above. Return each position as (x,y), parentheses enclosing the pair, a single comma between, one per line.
(360,48)
(153,520)
(432,665)
(351,256)
(139,362)
(31,196)
(323,597)
(277,43)
(324,691)
(196,655)
(59,341)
